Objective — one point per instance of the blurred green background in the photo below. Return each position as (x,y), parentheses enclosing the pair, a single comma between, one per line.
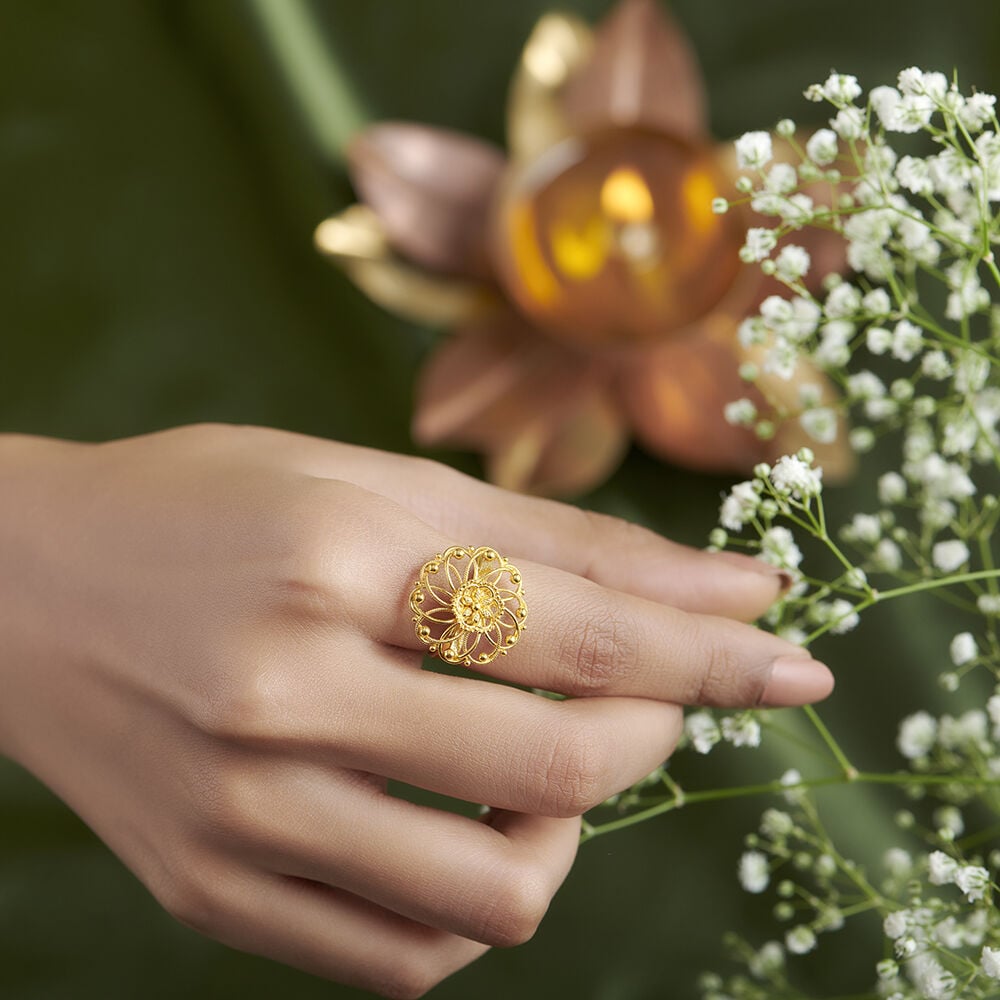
(159,189)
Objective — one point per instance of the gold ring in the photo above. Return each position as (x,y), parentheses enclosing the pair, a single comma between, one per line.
(468,605)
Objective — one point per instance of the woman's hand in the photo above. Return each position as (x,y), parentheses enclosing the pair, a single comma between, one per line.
(206,650)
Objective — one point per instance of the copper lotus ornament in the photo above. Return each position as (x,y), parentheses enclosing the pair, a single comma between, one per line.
(592,291)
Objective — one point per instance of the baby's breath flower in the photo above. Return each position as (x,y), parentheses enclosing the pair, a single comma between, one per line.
(740,506)
(963,649)
(898,862)
(917,734)
(702,730)
(891,488)
(941,869)
(894,924)
(820,424)
(792,263)
(794,477)
(932,980)
(741,412)
(878,339)
(800,940)
(973,880)
(741,730)
(950,555)
(754,872)
(776,824)
(935,365)
(989,959)
(907,340)
(753,150)
(988,604)
(777,547)
(822,147)
(888,556)
(848,123)
(769,960)
(759,244)
(866,528)
(841,88)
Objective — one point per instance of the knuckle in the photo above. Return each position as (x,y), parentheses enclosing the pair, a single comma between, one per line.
(602,653)
(197,899)
(519,902)
(244,709)
(230,806)
(570,770)
(408,979)
(721,679)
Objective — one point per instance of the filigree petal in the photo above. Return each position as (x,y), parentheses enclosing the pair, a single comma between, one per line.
(356,240)
(558,46)
(442,616)
(439,594)
(431,189)
(455,579)
(642,73)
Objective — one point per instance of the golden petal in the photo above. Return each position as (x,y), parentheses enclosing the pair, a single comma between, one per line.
(431,189)
(558,46)
(454,577)
(442,616)
(452,632)
(439,594)
(356,240)
(642,73)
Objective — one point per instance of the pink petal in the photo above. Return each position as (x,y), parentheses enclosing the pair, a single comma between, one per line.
(643,74)
(544,416)
(675,395)
(431,189)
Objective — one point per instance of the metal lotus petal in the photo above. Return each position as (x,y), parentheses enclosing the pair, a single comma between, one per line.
(356,240)
(470,373)
(642,74)
(568,455)
(675,397)
(431,189)
(558,46)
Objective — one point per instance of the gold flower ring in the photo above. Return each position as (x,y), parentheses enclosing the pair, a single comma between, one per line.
(468,605)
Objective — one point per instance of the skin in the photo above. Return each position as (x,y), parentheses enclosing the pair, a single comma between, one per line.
(212,625)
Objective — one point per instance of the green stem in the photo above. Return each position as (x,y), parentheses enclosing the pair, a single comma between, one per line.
(903,778)
(849,770)
(330,108)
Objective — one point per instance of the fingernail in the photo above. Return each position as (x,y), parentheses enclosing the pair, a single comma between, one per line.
(796,680)
(739,561)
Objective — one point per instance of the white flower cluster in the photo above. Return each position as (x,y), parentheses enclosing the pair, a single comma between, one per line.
(702,730)
(909,337)
(934,941)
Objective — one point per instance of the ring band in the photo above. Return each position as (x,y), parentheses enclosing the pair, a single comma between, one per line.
(468,605)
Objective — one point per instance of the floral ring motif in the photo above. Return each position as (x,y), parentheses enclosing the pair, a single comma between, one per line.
(468,605)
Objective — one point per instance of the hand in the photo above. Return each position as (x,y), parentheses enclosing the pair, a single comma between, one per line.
(208,654)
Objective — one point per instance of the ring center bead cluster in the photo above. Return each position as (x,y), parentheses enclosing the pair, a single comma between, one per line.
(477,606)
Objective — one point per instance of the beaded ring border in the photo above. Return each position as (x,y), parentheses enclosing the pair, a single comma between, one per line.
(468,605)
